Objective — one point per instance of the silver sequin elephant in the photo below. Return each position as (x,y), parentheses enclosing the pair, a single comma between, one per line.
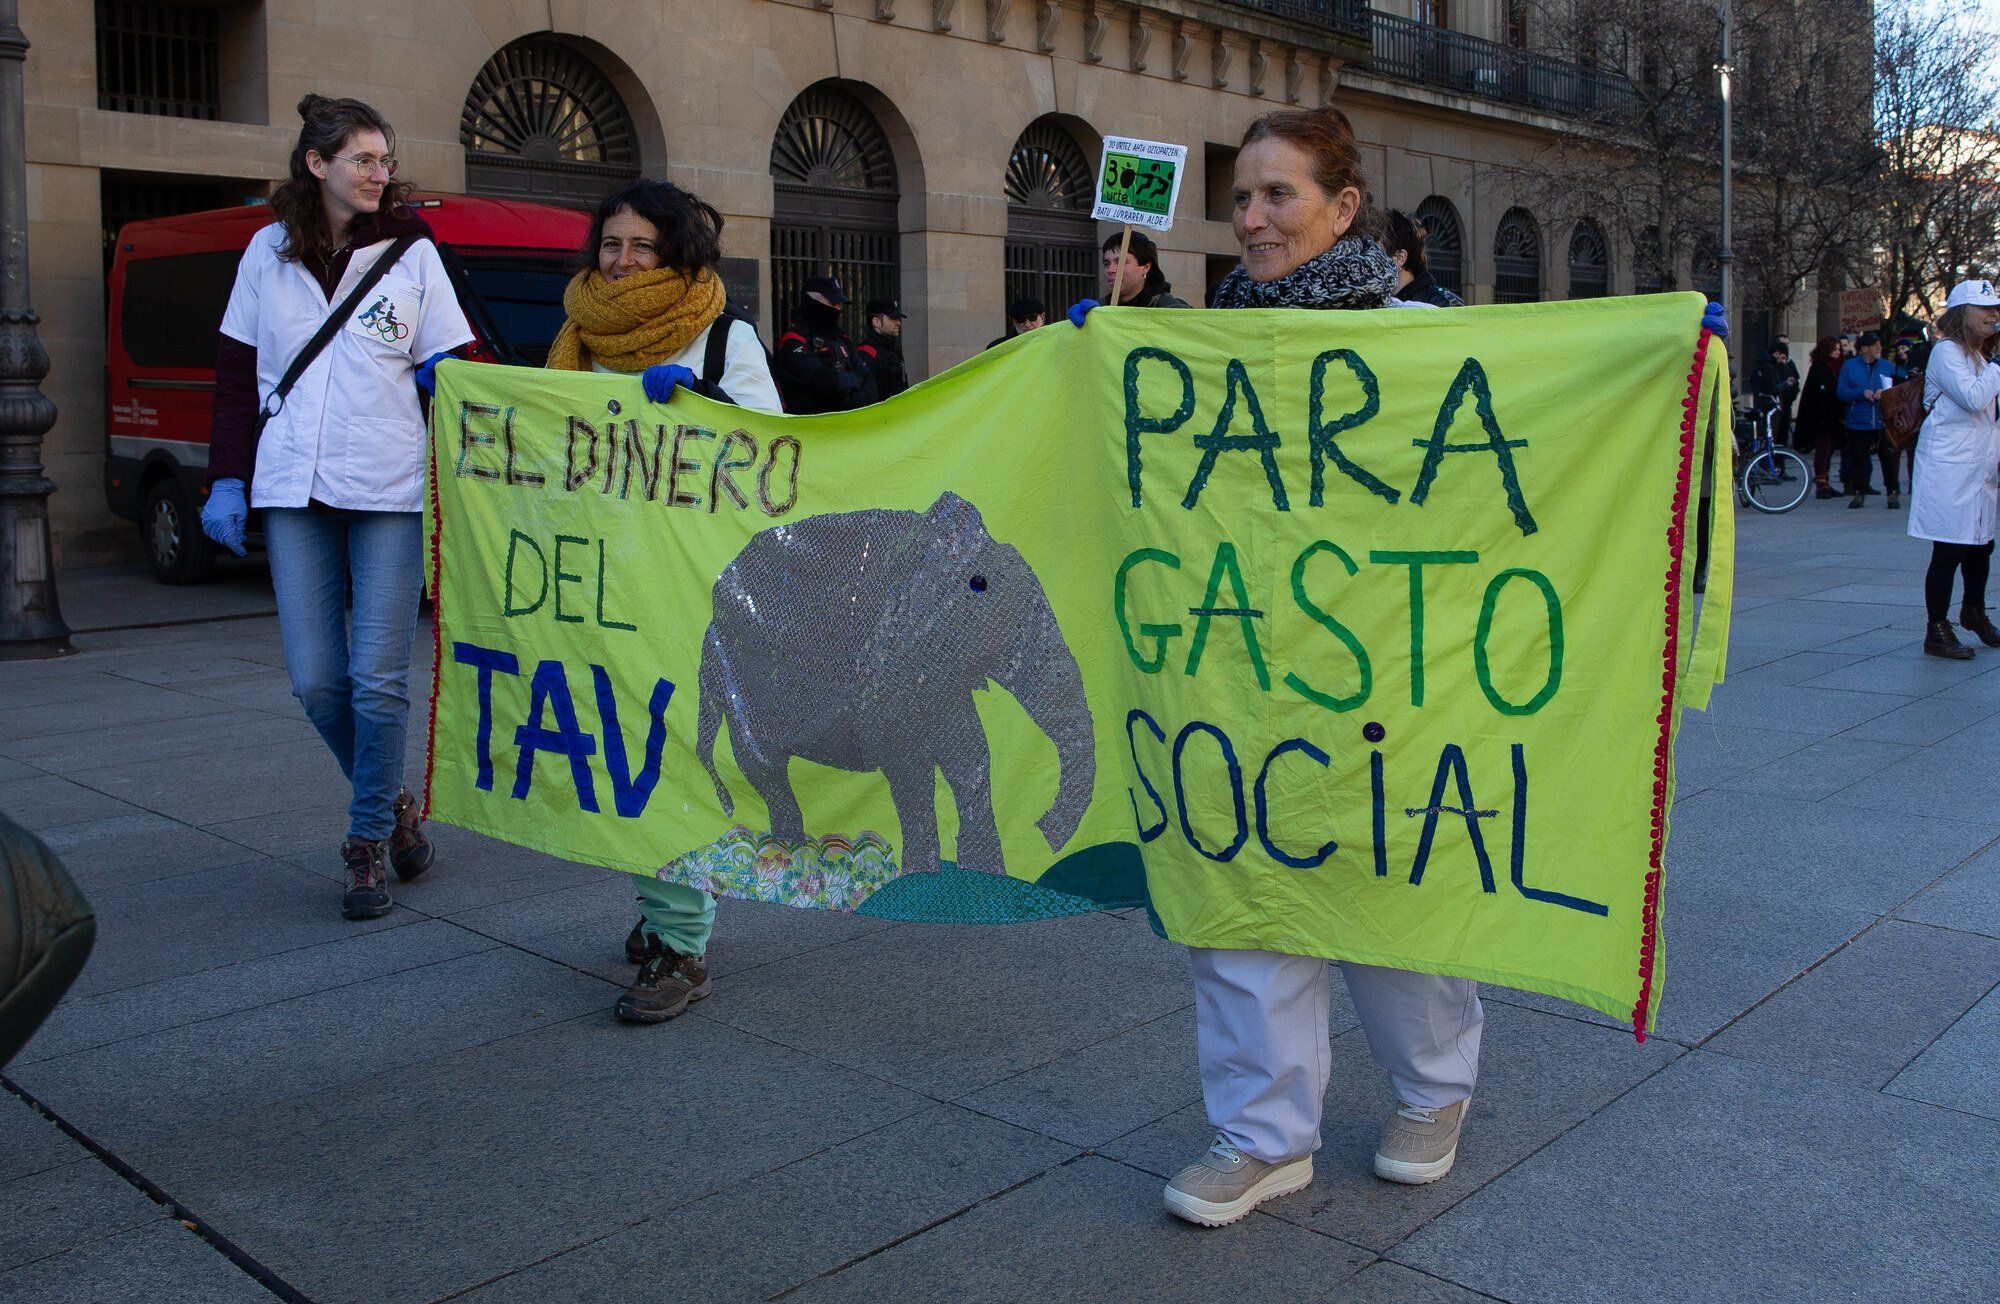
(857,639)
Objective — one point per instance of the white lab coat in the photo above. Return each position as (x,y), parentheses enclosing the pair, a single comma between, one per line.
(351,433)
(746,375)
(1957,477)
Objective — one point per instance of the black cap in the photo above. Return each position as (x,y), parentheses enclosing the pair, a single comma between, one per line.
(886,308)
(1868,338)
(827,287)
(1022,309)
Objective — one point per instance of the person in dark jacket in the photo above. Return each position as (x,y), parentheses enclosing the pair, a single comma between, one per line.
(1413,274)
(1775,382)
(1820,423)
(1863,379)
(1143,284)
(882,349)
(1023,315)
(817,368)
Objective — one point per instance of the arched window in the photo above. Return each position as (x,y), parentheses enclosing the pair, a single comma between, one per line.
(835,204)
(1517,259)
(1705,274)
(1051,241)
(1589,263)
(1444,243)
(1649,263)
(543,122)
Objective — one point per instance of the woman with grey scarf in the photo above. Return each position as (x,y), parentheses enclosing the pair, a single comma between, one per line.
(1310,239)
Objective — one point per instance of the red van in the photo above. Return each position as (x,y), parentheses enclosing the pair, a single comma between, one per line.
(170,281)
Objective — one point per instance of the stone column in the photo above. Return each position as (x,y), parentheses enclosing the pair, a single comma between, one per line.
(31,623)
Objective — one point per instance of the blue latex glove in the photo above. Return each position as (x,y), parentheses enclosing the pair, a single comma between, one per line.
(427,374)
(225,513)
(1079,311)
(660,380)
(1714,320)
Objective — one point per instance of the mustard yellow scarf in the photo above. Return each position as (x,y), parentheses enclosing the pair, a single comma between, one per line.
(631,324)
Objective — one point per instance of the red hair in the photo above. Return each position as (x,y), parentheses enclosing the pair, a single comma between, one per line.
(1328,138)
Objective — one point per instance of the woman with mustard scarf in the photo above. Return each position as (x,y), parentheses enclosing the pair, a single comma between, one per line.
(647,300)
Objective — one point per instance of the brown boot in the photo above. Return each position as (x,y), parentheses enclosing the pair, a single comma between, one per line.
(367,894)
(409,850)
(1974,620)
(1940,641)
(667,984)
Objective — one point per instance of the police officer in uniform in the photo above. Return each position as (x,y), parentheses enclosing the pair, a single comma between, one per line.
(882,349)
(817,367)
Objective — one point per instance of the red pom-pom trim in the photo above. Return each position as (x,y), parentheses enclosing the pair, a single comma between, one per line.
(437,631)
(1676,536)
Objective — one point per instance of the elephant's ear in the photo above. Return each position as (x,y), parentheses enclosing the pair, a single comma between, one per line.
(952,517)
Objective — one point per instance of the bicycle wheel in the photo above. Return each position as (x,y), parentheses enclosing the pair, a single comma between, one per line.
(1776,480)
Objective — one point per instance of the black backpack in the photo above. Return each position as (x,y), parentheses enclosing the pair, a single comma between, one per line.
(715,357)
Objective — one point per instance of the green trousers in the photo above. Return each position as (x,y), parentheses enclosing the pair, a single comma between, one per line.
(682,917)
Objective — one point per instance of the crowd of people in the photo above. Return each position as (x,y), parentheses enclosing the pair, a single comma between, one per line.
(323,430)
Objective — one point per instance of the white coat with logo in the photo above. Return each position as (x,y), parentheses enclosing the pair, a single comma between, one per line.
(1956,487)
(351,432)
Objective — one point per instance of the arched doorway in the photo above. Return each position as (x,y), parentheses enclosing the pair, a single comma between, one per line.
(835,204)
(543,122)
(1517,259)
(1051,241)
(1589,263)
(1444,243)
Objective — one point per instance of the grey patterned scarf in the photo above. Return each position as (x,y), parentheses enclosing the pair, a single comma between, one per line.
(1355,273)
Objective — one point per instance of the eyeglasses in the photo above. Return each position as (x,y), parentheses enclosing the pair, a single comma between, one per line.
(367,163)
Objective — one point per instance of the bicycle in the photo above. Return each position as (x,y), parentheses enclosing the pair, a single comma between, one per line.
(1774,479)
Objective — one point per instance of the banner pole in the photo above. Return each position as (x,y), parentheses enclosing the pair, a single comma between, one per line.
(1118,277)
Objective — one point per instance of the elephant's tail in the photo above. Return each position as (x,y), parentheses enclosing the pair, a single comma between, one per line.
(709,718)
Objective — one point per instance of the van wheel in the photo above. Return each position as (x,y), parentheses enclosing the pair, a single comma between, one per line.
(170,524)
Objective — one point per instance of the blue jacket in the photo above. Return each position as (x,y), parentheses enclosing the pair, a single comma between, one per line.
(1857,376)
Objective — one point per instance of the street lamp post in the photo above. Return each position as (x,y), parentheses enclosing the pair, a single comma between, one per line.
(1726,70)
(31,623)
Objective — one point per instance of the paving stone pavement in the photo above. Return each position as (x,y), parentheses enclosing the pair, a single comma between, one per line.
(256,1096)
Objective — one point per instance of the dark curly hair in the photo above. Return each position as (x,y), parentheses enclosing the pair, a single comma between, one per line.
(690,228)
(298,201)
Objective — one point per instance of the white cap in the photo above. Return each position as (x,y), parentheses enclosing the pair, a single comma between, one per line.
(1979,294)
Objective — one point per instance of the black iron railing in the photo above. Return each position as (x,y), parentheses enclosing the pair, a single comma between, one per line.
(1348,16)
(1437,56)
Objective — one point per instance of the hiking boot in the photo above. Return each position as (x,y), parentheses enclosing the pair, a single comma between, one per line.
(1419,1145)
(409,850)
(635,944)
(1895,502)
(1823,493)
(1225,1184)
(1940,641)
(667,984)
(367,894)
(1975,621)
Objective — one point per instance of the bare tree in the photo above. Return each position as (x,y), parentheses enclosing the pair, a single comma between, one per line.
(1937,113)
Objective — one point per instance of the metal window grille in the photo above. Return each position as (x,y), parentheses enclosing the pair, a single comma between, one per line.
(835,206)
(1444,243)
(1589,263)
(162,59)
(1517,260)
(543,122)
(1051,252)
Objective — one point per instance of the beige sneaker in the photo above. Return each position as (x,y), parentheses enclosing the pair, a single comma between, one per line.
(1419,1145)
(1225,1184)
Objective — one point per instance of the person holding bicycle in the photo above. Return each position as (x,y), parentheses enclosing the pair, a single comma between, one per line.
(340,309)
(1955,487)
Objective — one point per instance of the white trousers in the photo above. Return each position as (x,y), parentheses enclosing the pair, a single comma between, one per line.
(1262,1037)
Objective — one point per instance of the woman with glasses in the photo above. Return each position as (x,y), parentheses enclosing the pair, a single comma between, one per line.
(649,300)
(335,460)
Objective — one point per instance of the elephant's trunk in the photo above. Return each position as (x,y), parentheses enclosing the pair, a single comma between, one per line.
(1045,680)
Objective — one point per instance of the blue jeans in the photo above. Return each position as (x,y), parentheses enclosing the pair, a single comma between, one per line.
(354,682)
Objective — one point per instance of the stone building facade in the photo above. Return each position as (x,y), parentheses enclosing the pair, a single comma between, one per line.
(940,150)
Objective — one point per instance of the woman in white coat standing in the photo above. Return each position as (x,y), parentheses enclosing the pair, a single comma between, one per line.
(1956,483)
(336,459)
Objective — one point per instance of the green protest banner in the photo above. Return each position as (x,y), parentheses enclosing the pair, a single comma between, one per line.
(1360,635)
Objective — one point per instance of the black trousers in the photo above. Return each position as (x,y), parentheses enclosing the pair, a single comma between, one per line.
(1947,561)
(1863,447)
